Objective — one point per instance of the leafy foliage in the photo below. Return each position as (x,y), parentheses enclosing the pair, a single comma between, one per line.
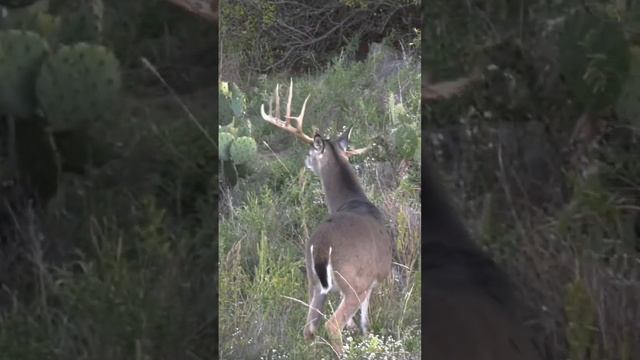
(594,57)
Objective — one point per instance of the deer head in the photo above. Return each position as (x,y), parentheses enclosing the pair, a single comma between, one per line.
(328,159)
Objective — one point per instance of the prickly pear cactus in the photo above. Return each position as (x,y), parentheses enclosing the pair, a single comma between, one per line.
(78,84)
(224,145)
(85,23)
(594,59)
(225,114)
(231,103)
(243,150)
(42,23)
(21,54)
(406,141)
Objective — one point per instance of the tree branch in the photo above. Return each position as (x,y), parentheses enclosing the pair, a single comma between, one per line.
(207,10)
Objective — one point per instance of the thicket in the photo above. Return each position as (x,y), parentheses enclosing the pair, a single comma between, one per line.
(259,36)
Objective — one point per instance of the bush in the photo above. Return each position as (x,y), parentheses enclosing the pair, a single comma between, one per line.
(307,34)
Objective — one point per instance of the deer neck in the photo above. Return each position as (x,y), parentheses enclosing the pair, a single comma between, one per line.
(438,213)
(341,185)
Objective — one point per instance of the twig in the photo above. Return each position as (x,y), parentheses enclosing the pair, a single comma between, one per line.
(305,304)
(173,93)
(199,7)
(503,179)
(277,157)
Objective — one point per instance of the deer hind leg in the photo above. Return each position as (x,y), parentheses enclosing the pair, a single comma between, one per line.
(316,304)
(345,311)
(364,312)
(351,325)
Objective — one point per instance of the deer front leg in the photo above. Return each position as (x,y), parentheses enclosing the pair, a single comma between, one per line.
(316,305)
(336,323)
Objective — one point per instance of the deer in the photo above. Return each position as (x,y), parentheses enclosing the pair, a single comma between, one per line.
(350,251)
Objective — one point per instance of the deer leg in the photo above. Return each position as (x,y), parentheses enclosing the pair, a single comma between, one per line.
(348,307)
(351,325)
(316,304)
(364,312)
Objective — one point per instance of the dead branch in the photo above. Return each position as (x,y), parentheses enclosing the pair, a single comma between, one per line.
(205,9)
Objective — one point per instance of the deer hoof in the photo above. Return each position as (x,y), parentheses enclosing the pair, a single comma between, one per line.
(308,333)
(335,337)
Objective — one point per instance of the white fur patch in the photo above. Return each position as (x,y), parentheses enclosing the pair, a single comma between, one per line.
(329,275)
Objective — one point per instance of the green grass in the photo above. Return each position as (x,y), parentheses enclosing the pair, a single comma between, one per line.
(266,218)
(134,292)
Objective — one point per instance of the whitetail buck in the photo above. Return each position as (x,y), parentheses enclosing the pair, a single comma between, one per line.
(350,251)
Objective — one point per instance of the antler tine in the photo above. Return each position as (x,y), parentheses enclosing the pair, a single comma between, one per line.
(354,152)
(277,98)
(288,116)
(300,117)
(270,108)
(286,124)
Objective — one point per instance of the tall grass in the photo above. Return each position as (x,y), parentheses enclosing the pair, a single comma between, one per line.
(574,262)
(129,293)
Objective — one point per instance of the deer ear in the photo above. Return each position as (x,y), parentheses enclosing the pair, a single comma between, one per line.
(343,140)
(318,143)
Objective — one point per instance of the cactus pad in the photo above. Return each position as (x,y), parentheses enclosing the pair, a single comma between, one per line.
(78,84)
(84,23)
(21,55)
(40,22)
(224,144)
(243,150)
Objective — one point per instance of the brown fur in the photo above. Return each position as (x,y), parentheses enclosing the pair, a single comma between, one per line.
(360,245)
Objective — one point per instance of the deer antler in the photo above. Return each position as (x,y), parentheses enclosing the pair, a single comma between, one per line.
(203,8)
(354,152)
(286,124)
(447,89)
